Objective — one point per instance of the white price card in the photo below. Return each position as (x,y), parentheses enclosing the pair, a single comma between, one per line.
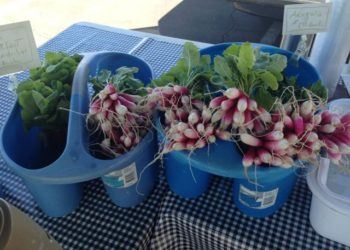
(17,48)
(303,19)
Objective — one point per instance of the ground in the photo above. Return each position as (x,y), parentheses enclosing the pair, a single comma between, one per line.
(50,17)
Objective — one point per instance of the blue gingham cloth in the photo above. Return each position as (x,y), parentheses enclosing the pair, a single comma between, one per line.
(164,221)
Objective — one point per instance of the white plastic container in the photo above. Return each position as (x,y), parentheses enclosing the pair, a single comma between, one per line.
(330,205)
(330,186)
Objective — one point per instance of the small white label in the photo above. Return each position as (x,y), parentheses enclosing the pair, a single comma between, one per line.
(257,200)
(17,48)
(303,19)
(122,178)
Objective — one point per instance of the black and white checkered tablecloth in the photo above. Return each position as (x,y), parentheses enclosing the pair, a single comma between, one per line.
(164,221)
(213,222)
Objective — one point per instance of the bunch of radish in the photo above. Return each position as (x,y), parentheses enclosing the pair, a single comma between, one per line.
(334,132)
(187,120)
(120,120)
(235,110)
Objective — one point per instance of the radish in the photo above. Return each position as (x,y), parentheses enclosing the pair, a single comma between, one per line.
(345,119)
(217,116)
(327,128)
(106,126)
(292,139)
(209,130)
(238,118)
(223,135)
(298,125)
(212,139)
(250,140)
(232,93)
(264,115)
(181,126)
(276,161)
(306,108)
(242,104)
(248,119)
(200,128)
(274,136)
(279,126)
(110,89)
(181,90)
(178,137)
(178,146)
(317,119)
(193,118)
(191,134)
(216,102)
(288,122)
(227,104)
(252,105)
(227,119)
(248,157)
(276,145)
(264,155)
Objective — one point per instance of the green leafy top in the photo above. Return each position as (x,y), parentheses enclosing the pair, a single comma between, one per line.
(251,70)
(123,79)
(191,70)
(46,93)
(288,89)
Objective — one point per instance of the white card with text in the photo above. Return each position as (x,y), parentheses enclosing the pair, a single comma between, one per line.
(303,19)
(17,48)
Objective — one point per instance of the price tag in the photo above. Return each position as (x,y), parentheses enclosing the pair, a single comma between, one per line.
(303,19)
(17,48)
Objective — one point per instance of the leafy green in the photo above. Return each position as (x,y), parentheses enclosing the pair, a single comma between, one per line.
(288,88)
(254,72)
(44,95)
(123,79)
(191,70)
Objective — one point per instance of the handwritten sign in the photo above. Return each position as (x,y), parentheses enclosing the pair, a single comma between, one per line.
(303,19)
(17,48)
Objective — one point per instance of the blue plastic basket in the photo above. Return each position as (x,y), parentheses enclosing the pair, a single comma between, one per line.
(56,183)
(224,159)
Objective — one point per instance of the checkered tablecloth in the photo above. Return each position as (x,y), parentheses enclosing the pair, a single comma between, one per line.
(164,221)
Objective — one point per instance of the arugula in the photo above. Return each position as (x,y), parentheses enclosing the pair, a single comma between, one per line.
(123,80)
(45,96)
(192,71)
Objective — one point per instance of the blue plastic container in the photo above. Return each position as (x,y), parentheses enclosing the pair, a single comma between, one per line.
(267,188)
(261,197)
(224,159)
(55,180)
(178,167)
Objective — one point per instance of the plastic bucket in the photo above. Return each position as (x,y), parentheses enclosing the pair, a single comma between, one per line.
(132,181)
(55,177)
(132,184)
(185,180)
(261,197)
(25,149)
(273,184)
(55,200)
